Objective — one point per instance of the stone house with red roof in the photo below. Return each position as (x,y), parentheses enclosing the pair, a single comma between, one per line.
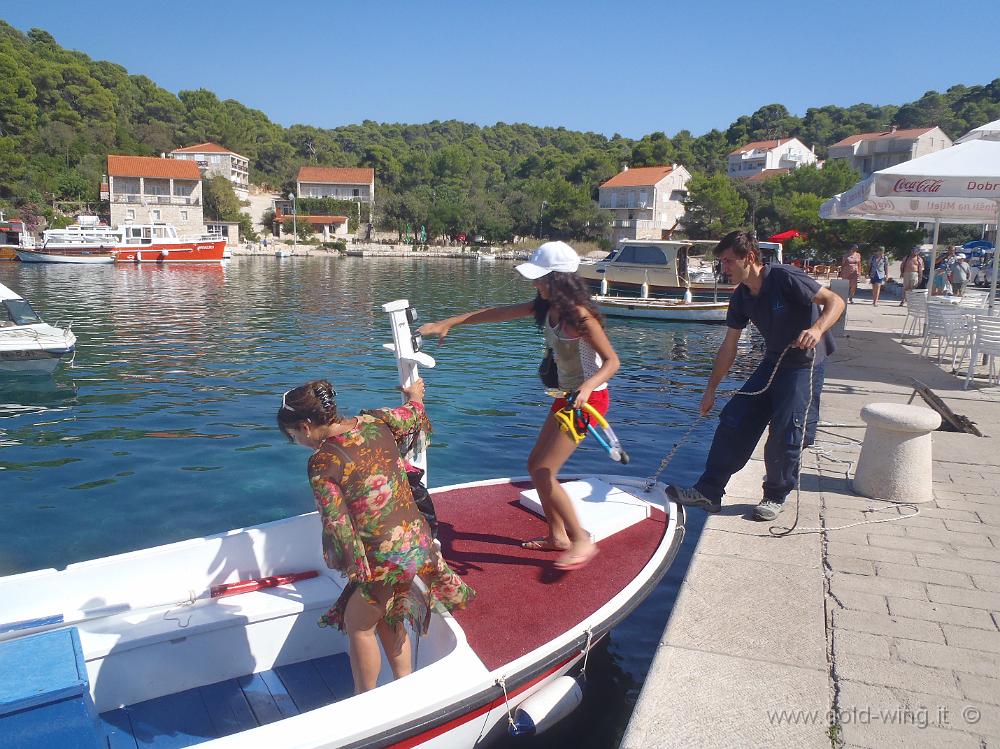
(760,155)
(869,152)
(149,190)
(215,161)
(356,184)
(644,202)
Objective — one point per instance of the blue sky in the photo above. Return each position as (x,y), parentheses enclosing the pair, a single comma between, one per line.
(582,65)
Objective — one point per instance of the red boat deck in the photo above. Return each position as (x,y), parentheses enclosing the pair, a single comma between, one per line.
(522,600)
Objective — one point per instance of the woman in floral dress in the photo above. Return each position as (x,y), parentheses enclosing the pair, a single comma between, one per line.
(372,530)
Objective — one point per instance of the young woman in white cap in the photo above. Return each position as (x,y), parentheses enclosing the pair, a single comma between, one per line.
(586,361)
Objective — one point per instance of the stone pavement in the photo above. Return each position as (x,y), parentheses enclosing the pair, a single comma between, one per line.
(882,634)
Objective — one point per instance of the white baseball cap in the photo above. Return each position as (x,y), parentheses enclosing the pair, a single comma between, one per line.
(960,255)
(551,256)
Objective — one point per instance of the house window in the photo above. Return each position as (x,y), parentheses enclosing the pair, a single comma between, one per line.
(184,215)
(155,214)
(355,193)
(130,215)
(214,159)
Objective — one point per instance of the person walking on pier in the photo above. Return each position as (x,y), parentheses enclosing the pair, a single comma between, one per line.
(794,314)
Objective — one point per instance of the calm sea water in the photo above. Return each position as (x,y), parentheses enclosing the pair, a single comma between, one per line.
(163,429)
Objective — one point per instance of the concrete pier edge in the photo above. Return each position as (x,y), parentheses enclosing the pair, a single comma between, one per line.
(882,634)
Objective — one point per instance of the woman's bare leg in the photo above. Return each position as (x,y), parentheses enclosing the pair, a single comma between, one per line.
(550,453)
(360,619)
(876,290)
(396,643)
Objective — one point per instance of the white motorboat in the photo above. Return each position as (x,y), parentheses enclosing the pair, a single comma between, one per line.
(28,344)
(662,309)
(90,241)
(214,640)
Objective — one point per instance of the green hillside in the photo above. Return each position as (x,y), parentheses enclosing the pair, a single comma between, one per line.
(61,113)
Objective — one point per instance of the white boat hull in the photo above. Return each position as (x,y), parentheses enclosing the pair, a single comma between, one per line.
(34,349)
(662,309)
(96,258)
(146,648)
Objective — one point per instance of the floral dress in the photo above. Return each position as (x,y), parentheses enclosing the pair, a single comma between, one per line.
(372,530)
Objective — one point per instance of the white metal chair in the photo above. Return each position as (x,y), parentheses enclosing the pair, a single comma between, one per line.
(974,298)
(916,311)
(949,326)
(986,342)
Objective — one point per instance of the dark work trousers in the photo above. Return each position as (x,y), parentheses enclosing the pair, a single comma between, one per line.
(783,406)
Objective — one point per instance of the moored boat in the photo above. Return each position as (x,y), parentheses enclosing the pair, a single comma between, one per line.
(662,309)
(89,241)
(667,268)
(29,345)
(214,640)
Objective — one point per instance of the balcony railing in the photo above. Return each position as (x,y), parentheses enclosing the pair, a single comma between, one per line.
(156,200)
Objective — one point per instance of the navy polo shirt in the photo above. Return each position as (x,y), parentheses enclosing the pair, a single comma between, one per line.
(781,311)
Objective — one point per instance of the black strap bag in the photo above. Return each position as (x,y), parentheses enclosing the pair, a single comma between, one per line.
(548,371)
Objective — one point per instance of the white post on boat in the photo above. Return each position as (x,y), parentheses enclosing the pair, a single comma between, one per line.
(644,289)
(406,346)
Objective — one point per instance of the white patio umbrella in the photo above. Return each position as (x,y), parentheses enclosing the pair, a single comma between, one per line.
(970,170)
(989,131)
(958,185)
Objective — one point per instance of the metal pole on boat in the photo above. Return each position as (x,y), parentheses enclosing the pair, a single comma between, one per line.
(406,346)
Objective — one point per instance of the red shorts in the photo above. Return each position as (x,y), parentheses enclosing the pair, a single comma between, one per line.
(599,399)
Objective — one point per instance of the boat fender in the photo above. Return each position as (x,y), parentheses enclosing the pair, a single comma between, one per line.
(687,296)
(546,707)
(604,286)
(164,254)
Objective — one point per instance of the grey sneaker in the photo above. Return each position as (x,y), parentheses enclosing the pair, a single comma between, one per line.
(768,510)
(692,498)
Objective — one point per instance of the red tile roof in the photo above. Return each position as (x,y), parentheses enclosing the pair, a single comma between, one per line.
(150,166)
(767,174)
(640,176)
(759,145)
(206,148)
(911,133)
(337,175)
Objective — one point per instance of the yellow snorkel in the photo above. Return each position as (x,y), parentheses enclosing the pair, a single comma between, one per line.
(576,422)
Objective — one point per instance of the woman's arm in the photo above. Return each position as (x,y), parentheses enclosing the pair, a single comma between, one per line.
(594,334)
(489,314)
(343,550)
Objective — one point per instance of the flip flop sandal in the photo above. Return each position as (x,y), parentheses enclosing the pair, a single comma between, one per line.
(576,561)
(541,543)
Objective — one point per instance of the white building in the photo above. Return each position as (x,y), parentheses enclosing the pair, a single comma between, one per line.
(755,157)
(148,190)
(215,161)
(339,183)
(869,152)
(644,202)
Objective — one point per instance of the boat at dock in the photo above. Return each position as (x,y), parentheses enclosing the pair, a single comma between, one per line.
(668,267)
(662,309)
(28,344)
(89,241)
(214,641)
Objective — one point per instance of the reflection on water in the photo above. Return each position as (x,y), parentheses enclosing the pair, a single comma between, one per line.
(164,428)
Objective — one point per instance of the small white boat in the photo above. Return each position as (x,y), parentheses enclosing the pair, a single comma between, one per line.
(214,641)
(282,252)
(88,256)
(662,309)
(29,345)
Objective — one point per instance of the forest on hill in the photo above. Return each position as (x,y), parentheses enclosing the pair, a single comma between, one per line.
(61,113)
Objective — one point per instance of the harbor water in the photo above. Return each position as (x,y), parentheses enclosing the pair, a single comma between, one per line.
(163,428)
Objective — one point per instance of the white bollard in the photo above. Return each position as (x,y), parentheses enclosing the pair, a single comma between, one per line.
(895,462)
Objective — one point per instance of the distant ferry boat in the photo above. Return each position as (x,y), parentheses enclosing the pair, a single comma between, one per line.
(89,241)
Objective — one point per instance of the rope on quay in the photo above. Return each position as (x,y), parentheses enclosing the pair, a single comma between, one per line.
(777,531)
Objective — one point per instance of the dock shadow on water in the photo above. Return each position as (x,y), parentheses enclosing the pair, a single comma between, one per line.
(164,428)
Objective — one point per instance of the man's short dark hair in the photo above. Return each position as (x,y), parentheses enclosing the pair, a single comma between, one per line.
(742,243)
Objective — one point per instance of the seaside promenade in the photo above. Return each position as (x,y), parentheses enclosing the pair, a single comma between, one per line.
(877,635)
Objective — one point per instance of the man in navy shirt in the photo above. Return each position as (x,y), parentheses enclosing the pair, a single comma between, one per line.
(790,309)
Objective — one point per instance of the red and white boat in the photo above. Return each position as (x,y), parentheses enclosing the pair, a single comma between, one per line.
(214,641)
(89,241)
